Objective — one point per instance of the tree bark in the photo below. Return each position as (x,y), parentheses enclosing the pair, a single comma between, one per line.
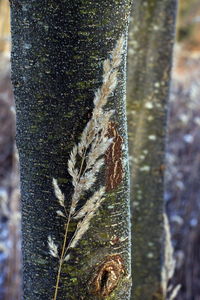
(57,52)
(151,37)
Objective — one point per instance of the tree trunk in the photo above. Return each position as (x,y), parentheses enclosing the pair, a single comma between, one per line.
(151,37)
(58,48)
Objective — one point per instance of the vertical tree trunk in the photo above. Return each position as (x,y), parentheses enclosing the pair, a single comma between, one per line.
(57,52)
(151,37)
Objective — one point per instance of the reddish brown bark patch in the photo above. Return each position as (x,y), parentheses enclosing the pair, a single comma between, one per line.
(108,275)
(113,159)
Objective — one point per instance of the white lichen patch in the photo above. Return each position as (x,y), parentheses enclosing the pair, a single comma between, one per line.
(145,168)
(46,28)
(150,255)
(152,137)
(157,84)
(150,244)
(145,151)
(149,105)
(139,195)
(110,206)
(135,203)
(27,46)
(150,118)
(158,104)
(156,27)
(184,118)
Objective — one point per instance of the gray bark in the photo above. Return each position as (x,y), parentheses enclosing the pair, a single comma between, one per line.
(151,37)
(57,52)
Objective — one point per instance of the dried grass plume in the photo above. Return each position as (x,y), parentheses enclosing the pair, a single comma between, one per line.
(84,164)
(169,264)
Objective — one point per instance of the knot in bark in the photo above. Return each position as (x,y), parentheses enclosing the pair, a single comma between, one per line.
(108,275)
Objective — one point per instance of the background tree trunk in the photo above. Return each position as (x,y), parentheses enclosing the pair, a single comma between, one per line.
(151,37)
(57,52)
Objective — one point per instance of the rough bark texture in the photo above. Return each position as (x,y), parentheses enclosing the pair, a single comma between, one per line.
(57,52)
(151,37)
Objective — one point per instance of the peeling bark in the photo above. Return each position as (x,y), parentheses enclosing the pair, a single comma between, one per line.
(151,37)
(113,159)
(57,52)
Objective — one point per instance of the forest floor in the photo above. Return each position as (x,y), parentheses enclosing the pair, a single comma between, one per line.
(182,193)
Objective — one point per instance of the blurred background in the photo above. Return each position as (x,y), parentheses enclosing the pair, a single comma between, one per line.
(182,192)
(9,179)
